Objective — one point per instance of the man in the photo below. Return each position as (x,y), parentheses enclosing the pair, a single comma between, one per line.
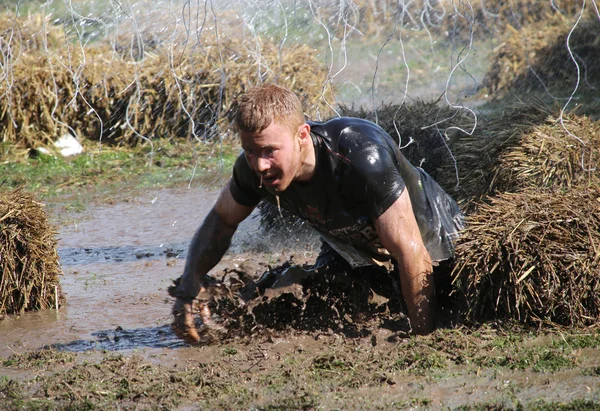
(348,179)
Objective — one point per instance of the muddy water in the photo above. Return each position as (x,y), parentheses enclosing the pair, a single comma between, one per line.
(118,261)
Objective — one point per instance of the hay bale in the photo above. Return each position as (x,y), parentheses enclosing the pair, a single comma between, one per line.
(20,35)
(547,157)
(531,249)
(28,258)
(95,93)
(443,18)
(533,256)
(535,57)
(477,155)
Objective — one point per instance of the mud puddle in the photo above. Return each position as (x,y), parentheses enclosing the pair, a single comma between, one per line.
(118,261)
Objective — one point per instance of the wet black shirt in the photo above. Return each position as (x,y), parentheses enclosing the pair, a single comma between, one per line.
(360,174)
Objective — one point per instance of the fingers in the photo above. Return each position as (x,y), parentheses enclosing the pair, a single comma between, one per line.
(183,322)
(205,314)
(184,327)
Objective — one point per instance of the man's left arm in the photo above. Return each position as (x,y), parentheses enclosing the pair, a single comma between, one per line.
(399,234)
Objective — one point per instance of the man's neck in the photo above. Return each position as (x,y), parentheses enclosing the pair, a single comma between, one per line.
(308,163)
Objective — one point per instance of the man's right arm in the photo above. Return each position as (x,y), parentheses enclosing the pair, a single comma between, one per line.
(210,243)
(208,246)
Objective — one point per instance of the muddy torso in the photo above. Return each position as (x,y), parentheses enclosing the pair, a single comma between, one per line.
(360,174)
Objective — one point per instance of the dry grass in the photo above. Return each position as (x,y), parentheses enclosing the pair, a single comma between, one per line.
(28,257)
(547,157)
(445,18)
(477,155)
(531,250)
(533,256)
(20,35)
(97,93)
(536,57)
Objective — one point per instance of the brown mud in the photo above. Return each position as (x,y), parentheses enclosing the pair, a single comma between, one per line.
(302,338)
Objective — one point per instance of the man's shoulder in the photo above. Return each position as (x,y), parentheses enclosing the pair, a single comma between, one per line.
(351,134)
(343,125)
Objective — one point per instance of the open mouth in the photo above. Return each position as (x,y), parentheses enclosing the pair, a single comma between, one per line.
(270,180)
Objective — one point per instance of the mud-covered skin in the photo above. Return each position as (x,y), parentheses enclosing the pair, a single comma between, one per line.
(203,255)
(360,174)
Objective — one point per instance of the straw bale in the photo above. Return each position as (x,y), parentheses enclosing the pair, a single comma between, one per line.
(536,57)
(533,256)
(548,157)
(20,35)
(94,93)
(28,258)
(531,250)
(444,18)
(502,15)
(477,155)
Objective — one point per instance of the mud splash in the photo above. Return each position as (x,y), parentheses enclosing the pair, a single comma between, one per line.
(354,303)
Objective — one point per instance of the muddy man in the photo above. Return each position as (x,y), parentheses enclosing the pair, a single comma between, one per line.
(348,179)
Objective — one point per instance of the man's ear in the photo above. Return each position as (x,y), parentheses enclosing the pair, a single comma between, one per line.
(304,134)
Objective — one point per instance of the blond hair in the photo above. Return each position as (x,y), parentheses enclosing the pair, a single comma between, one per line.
(268,103)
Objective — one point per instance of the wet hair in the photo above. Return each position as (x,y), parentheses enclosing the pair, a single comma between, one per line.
(268,103)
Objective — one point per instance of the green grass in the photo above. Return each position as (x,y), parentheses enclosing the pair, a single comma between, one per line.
(575,341)
(106,170)
(10,388)
(38,359)
(418,363)
(229,351)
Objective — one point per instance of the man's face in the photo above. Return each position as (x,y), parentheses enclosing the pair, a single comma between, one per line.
(273,154)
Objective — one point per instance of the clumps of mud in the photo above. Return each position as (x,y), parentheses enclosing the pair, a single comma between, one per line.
(29,263)
(300,298)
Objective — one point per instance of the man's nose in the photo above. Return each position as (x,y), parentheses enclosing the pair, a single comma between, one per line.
(262,165)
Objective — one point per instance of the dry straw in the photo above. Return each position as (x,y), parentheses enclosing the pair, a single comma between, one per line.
(536,56)
(171,92)
(22,36)
(531,250)
(477,156)
(29,261)
(445,18)
(547,157)
(533,256)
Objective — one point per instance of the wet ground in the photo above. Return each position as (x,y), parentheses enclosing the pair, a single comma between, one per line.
(319,340)
(118,260)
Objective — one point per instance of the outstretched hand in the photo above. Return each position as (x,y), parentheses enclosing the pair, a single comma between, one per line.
(183,322)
